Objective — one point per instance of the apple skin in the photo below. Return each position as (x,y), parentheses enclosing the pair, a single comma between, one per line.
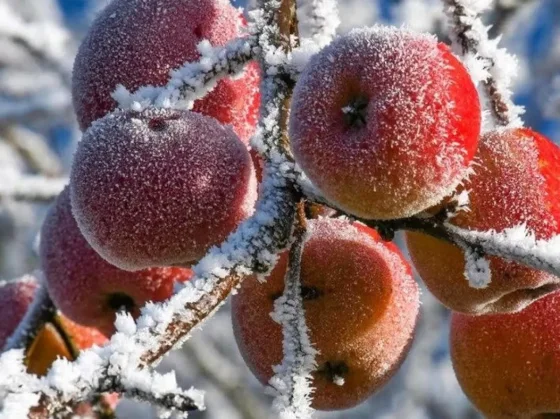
(15,298)
(83,285)
(358,292)
(168,34)
(385,122)
(49,345)
(516,181)
(171,185)
(509,364)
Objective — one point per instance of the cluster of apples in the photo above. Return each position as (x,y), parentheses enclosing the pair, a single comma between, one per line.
(386,123)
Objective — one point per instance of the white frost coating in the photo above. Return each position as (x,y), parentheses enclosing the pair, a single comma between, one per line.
(461,203)
(75,380)
(517,244)
(254,244)
(338,380)
(482,57)
(321,18)
(291,382)
(31,187)
(477,268)
(193,80)
(121,363)
(13,374)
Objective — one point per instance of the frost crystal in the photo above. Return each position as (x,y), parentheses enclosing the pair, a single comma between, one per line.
(489,65)
(291,381)
(518,244)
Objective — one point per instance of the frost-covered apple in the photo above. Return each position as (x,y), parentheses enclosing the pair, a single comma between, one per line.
(516,182)
(137,43)
(83,285)
(160,187)
(358,292)
(509,364)
(385,122)
(15,297)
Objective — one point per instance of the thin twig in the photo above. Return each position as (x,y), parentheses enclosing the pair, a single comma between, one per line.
(291,383)
(32,188)
(33,148)
(470,37)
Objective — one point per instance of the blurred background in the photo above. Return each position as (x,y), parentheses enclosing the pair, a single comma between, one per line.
(38,133)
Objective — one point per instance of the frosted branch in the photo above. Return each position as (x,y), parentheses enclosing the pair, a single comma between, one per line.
(252,248)
(291,383)
(30,187)
(477,267)
(34,148)
(517,244)
(162,391)
(321,18)
(46,42)
(487,63)
(193,80)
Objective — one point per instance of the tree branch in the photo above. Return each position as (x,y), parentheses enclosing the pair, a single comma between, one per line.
(253,247)
(292,378)
(33,148)
(488,64)
(321,18)
(33,188)
(162,391)
(193,80)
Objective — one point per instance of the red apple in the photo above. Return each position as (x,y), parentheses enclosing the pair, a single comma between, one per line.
(160,187)
(509,364)
(516,181)
(84,286)
(385,122)
(361,305)
(137,43)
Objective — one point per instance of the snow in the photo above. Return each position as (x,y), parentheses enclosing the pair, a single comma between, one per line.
(193,80)
(477,268)
(319,19)
(517,244)
(484,59)
(291,383)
